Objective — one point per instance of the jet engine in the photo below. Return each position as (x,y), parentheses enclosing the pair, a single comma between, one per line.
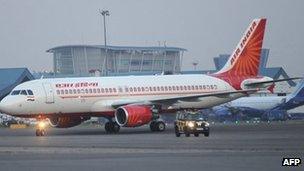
(66,122)
(133,115)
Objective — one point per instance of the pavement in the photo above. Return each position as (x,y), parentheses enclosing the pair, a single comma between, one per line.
(230,147)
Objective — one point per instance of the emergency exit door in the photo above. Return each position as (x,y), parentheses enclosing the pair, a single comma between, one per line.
(49,94)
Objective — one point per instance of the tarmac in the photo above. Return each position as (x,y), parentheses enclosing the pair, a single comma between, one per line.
(260,146)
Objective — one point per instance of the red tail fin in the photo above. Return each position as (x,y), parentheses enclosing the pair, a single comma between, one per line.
(245,59)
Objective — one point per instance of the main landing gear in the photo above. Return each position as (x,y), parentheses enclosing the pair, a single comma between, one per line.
(112,127)
(157,126)
(41,128)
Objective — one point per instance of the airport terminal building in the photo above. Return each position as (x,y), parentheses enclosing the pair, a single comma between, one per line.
(81,60)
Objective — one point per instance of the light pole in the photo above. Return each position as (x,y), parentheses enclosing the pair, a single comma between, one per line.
(105,13)
(195,63)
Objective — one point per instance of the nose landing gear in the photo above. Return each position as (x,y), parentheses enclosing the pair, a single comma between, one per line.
(41,128)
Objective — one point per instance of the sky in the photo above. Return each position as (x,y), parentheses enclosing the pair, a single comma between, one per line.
(206,28)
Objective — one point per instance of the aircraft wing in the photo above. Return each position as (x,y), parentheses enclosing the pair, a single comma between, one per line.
(272,81)
(172,100)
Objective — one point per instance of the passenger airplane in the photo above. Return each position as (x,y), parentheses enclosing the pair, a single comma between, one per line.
(263,106)
(132,101)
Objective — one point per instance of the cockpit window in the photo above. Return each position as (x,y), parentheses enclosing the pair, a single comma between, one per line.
(23,92)
(30,92)
(15,92)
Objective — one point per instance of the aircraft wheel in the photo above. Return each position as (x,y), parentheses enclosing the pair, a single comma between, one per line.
(153,126)
(112,127)
(37,132)
(206,134)
(160,126)
(40,132)
(108,127)
(115,128)
(196,134)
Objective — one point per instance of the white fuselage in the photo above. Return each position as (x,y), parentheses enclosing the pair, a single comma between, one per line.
(96,95)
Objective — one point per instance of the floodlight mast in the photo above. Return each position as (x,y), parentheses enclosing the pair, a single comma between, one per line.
(105,13)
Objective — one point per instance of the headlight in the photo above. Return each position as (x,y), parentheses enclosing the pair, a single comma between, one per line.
(41,125)
(206,124)
(191,124)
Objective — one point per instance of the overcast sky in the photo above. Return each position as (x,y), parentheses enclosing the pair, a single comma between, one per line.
(206,28)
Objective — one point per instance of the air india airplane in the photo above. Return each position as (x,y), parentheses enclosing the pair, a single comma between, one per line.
(132,101)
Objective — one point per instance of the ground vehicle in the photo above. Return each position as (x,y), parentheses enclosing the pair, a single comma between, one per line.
(191,123)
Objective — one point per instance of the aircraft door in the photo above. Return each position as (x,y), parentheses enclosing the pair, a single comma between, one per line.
(49,94)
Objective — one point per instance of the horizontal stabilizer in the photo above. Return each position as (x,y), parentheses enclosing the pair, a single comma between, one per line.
(272,81)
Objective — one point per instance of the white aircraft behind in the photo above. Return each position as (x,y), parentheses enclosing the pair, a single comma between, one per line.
(132,101)
(267,103)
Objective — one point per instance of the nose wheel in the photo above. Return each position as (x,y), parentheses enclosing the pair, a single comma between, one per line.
(41,128)
(40,132)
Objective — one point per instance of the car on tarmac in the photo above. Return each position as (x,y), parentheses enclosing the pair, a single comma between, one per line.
(191,123)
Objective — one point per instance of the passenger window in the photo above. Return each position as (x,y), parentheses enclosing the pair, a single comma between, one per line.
(114,90)
(30,92)
(58,91)
(15,92)
(62,92)
(90,91)
(94,90)
(74,91)
(23,92)
(78,91)
(70,91)
(162,88)
(66,92)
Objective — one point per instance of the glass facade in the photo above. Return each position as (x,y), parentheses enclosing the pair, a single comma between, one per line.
(82,60)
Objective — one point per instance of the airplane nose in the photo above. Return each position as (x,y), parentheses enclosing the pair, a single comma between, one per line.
(1,107)
(4,107)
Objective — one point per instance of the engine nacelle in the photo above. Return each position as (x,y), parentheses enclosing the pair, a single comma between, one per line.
(66,122)
(133,115)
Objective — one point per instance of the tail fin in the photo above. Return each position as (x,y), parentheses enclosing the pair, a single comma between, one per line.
(245,59)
